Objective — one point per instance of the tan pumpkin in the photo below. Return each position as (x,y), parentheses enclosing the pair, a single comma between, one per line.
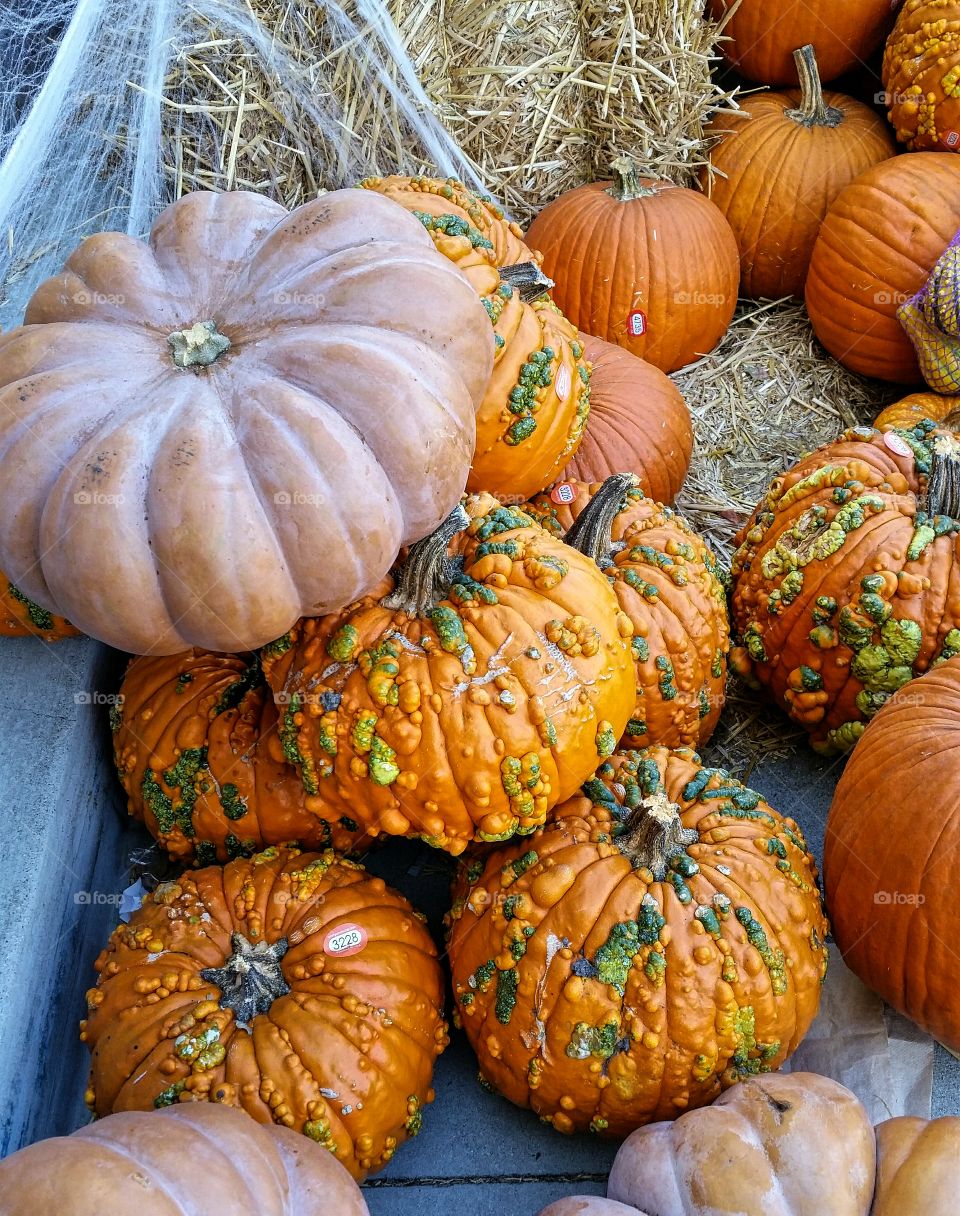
(918,1166)
(779,164)
(639,422)
(906,413)
(240,421)
(185,1160)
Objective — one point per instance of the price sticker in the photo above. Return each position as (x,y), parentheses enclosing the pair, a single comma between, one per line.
(563,493)
(345,940)
(898,446)
(637,323)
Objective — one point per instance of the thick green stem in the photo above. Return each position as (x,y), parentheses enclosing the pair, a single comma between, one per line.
(527,279)
(198,346)
(813,111)
(654,834)
(251,979)
(428,571)
(626,181)
(591,531)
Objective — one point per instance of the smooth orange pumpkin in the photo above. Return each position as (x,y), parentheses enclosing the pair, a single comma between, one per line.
(639,422)
(880,239)
(292,985)
(913,409)
(779,165)
(658,940)
(21,618)
(761,35)
(921,75)
(646,264)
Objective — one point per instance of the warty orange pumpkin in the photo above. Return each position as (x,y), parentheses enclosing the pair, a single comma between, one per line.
(638,421)
(670,585)
(292,985)
(183,1160)
(646,264)
(846,578)
(779,164)
(197,745)
(463,705)
(906,413)
(921,75)
(192,425)
(877,245)
(658,940)
(21,618)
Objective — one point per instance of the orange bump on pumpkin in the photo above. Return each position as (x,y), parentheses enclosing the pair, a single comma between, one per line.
(198,750)
(472,698)
(921,75)
(21,618)
(687,952)
(669,584)
(779,165)
(292,985)
(646,264)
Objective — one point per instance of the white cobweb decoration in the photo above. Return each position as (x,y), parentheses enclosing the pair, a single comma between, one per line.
(83,124)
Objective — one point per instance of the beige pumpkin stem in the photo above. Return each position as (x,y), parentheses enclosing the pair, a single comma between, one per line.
(527,279)
(813,111)
(943,486)
(626,181)
(590,532)
(251,979)
(429,570)
(654,834)
(198,346)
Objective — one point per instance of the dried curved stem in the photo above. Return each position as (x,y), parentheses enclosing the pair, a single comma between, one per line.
(813,111)
(626,181)
(591,530)
(428,571)
(654,835)
(251,979)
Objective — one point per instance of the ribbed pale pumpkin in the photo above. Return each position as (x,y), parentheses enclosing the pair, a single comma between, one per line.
(240,421)
(639,421)
(761,35)
(779,165)
(877,245)
(921,75)
(844,582)
(184,1160)
(909,411)
(198,750)
(646,264)
(671,587)
(532,416)
(21,618)
(660,939)
(470,699)
(292,985)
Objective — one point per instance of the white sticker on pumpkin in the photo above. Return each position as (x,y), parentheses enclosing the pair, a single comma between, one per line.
(563,492)
(898,446)
(562,386)
(345,940)
(637,323)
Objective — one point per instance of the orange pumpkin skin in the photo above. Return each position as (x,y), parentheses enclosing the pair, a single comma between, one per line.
(341,1044)
(603,970)
(641,254)
(783,161)
(197,747)
(764,35)
(913,409)
(669,584)
(22,618)
(639,421)
(918,1166)
(921,75)
(274,384)
(887,891)
(843,585)
(863,269)
(137,1162)
(465,705)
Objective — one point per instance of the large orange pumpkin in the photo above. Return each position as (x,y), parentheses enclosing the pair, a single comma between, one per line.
(639,421)
(877,245)
(21,618)
(207,435)
(892,838)
(469,700)
(910,410)
(779,165)
(200,755)
(658,940)
(844,582)
(761,36)
(183,1160)
(669,584)
(646,264)
(292,985)
(921,75)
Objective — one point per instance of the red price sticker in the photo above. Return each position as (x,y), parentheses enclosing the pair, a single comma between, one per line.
(950,139)
(563,493)
(637,323)
(345,940)
(898,446)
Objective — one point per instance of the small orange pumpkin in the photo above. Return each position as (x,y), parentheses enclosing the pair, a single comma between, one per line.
(908,411)
(21,617)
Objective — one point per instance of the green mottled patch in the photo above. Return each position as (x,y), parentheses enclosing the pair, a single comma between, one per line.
(383,766)
(182,681)
(615,956)
(506,1000)
(640,648)
(649,921)
(274,649)
(606,740)
(170,1095)
(514,869)
(234,806)
(655,967)
(773,960)
(597,1041)
(454,225)
(39,617)
(343,645)
(363,731)
(115,715)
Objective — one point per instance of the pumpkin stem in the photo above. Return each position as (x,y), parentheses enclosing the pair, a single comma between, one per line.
(251,979)
(813,111)
(527,279)
(429,570)
(590,533)
(654,834)
(198,346)
(626,181)
(943,486)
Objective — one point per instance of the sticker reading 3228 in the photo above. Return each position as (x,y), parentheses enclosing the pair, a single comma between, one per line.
(345,940)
